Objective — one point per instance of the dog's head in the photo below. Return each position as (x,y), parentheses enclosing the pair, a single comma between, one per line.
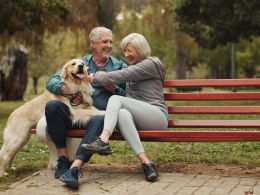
(75,70)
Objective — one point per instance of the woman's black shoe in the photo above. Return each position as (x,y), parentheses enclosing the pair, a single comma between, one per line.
(150,172)
(97,146)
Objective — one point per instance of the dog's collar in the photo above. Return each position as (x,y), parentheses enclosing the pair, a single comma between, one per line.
(72,97)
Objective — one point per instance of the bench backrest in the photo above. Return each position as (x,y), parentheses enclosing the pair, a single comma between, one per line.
(215,97)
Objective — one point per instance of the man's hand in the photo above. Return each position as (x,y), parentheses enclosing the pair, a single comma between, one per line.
(75,99)
(65,90)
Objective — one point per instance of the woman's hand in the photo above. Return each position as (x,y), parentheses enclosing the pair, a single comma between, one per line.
(91,75)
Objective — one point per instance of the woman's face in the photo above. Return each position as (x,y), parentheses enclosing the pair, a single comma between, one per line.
(131,54)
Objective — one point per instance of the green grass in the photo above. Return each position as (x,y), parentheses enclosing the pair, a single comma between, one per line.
(34,156)
(210,153)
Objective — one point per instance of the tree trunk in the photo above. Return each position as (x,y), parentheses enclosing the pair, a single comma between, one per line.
(35,84)
(180,58)
(180,65)
(214,71)
(13,68)
(250,71)
(105,13)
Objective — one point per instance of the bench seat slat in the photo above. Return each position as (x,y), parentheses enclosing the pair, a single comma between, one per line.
(214,109)
(212,83)
(214,123)
(211,96)
(200,136)
(183,136)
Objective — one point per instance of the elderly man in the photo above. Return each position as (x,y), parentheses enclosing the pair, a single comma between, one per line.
(57,113)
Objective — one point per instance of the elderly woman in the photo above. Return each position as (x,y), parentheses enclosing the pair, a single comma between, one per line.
(142,108)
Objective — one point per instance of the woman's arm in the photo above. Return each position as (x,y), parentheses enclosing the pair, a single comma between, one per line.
(141,71)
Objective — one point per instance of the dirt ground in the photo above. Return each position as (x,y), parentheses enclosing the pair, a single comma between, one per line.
(221,170)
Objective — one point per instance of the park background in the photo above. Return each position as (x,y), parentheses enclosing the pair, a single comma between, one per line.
(195,39)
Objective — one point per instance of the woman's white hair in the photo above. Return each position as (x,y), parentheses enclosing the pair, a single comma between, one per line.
(139,42)
(97,31)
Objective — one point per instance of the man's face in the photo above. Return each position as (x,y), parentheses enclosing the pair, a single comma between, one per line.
(103,46)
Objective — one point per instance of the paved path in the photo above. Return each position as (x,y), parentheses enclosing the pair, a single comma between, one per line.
(132,183)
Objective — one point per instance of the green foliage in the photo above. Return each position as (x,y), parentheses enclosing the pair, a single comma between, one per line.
(220,68)
(34,16)
(147,21)
(27,14)
(210,22)
(57,49)
(248,57)
(160,36)
(213,23)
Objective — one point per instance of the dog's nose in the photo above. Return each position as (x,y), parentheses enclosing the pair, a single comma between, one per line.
(80,67)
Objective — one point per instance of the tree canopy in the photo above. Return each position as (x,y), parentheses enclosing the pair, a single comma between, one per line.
(214,23)
(28,19)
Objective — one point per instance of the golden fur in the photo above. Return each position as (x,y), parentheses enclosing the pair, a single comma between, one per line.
(17,131)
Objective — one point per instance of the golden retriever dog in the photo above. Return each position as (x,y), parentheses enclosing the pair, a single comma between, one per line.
(17,132)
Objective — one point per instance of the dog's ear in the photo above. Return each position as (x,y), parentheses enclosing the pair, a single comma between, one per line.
(63,74)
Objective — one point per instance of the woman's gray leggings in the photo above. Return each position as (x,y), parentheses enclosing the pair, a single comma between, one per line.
(130,115)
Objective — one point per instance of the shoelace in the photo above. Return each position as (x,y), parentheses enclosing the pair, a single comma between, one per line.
(77,172)
(62,164)
(98,142)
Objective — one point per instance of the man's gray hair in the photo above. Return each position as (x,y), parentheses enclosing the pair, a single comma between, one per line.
(97,31)
(139,42)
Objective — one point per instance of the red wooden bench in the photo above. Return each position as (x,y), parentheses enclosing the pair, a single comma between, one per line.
(203,132)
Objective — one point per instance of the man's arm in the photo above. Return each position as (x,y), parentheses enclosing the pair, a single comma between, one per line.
(56,86)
